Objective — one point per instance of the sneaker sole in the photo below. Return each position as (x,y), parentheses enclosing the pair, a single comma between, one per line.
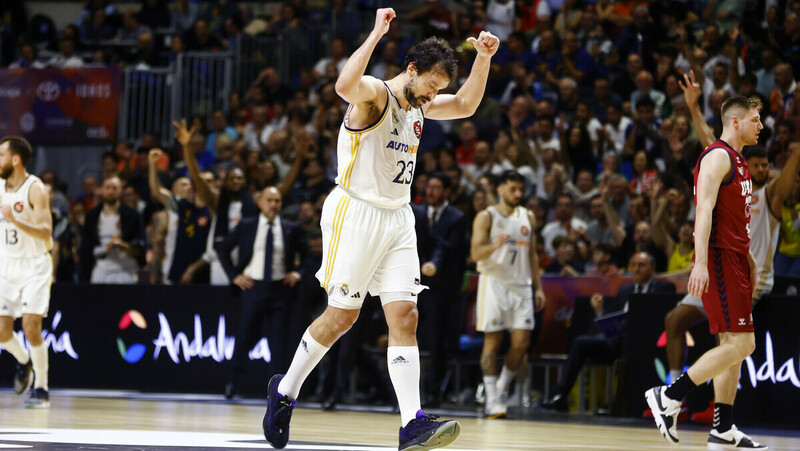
(662,427)
(724,447)
(41,405)
(444,436)
(495,416)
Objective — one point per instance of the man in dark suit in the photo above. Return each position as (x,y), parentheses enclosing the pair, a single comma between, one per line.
(111,239)
(594,343)
(441,306)
(267,273)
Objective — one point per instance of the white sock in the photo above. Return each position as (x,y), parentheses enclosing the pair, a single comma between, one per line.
(674,375)
(14,347)
(307,356)
(506,376)
(403,362)
(490,388)
(39,358)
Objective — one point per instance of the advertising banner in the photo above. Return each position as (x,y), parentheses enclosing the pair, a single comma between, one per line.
(63,106)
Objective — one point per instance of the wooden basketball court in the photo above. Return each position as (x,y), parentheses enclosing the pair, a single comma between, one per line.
(119,420)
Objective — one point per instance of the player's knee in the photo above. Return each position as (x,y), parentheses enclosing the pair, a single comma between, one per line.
(5,335)
(341,320)
(408,320)
(32,330)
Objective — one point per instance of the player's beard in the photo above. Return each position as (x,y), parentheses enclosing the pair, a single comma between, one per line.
(412,98)
(761,182)
(510,201)
(6,172)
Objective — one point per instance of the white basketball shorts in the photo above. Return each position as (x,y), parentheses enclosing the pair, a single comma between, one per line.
(367,249)
(25,285)
(503,306)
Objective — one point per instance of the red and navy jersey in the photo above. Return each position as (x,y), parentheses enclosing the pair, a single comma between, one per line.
(730,223)
(190,242)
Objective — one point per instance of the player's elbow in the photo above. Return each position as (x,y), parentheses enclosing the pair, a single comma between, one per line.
(344,88)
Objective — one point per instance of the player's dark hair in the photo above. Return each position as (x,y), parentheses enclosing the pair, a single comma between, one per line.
(432,52)
(509,175)
(19,146)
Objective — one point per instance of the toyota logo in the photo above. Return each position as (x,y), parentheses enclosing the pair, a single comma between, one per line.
(48,91)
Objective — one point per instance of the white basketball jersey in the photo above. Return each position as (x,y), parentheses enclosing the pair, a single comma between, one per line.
(764,234)
(510,263)
(14,243)
(376,164)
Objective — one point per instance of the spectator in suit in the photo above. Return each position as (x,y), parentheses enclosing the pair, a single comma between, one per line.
(594,343)
(267,273)
(440,307)
(111,239)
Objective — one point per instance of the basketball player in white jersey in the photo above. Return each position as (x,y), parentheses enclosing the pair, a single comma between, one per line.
(765,214)
(368,225)
(26,268)
(508,265)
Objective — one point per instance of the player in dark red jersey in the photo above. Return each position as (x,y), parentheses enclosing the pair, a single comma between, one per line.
(723,193)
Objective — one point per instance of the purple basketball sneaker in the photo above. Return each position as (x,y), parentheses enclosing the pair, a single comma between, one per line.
(423,433)
(279,413)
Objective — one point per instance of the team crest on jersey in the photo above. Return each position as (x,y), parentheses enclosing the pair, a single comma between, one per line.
(344,289)
(755,198)
(500,224)
(417,129)
(18,207)
(202,221)
(525,230)
(394,116)
(741,170)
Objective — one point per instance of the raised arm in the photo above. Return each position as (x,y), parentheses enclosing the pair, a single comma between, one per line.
(464,102)
(691,92)
(778,189)
(660,236)
(352,85)
(158,192)
(302,146)
(208,195)
(614,224)
(713,169)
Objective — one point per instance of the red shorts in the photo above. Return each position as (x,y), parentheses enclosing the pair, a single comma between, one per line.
(728,299)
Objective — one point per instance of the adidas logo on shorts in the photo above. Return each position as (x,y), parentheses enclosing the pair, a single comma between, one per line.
(399,360)
(356,296)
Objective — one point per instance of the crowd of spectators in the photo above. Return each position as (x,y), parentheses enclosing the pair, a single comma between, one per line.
(584,100)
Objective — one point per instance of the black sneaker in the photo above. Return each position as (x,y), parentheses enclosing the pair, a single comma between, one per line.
(279,413)
(732,439)
(23,377)
(424,433)
(38,398)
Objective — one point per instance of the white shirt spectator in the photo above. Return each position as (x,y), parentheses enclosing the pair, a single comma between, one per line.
(555,228)
(500,18)
(619,134)
(255,269)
